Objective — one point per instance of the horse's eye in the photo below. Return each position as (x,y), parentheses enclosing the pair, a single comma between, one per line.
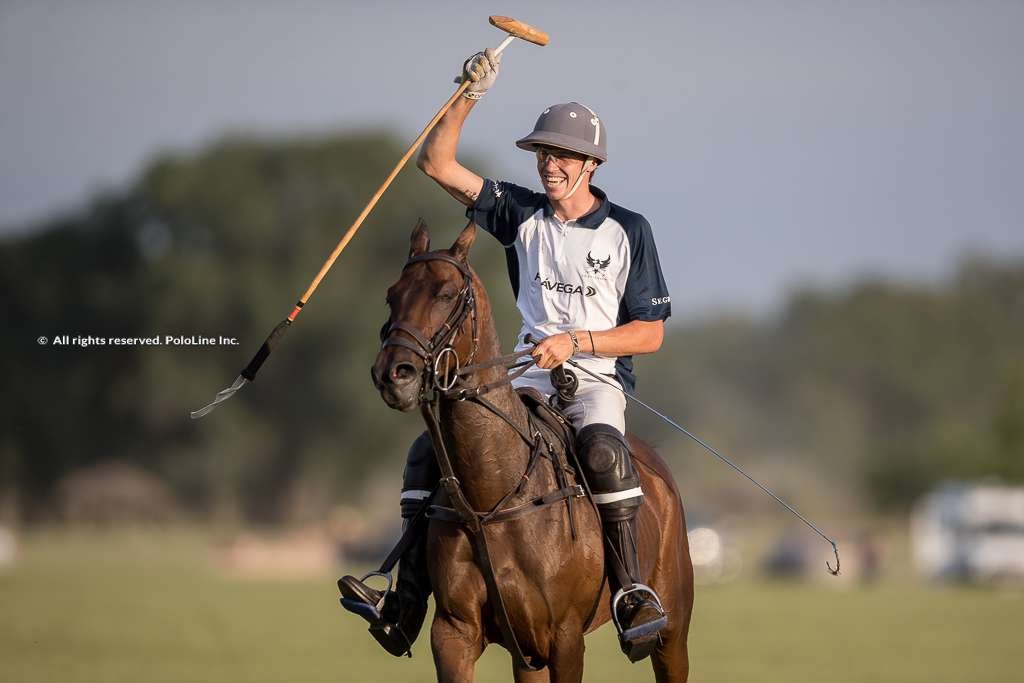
(446,295)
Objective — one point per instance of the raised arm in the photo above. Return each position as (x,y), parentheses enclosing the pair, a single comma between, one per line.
(437,156)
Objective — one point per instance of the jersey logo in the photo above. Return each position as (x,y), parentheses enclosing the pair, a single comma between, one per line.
(498,190)
(564,287)
(597,266)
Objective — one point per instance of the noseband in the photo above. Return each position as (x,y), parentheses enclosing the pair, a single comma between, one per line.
(439,348)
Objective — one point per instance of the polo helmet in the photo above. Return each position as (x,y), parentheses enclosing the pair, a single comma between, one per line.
(572,126)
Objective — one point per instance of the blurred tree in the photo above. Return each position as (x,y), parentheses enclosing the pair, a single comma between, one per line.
(218,244)
(892,385)
(1008,426)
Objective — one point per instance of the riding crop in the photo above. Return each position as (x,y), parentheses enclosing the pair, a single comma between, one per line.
(835,548)
(730,463)
(514,29)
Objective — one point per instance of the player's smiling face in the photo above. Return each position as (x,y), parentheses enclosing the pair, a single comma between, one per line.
(558,170)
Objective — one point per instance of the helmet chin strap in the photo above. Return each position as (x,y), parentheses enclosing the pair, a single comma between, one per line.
(579,180)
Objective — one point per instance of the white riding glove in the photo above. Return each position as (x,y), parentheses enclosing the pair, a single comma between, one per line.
(482,70)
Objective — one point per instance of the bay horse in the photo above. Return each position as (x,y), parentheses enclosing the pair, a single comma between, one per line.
(541,583)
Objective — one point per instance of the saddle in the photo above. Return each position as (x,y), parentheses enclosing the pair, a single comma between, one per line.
(550,416)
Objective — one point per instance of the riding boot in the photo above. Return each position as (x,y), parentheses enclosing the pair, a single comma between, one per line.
(636,609)
(396,616)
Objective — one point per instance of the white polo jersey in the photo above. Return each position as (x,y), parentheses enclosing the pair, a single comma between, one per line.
(594,273)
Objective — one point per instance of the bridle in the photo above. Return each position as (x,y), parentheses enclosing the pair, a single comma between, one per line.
(439,349)
(444,373)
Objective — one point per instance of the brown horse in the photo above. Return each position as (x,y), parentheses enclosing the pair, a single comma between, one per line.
(552,585)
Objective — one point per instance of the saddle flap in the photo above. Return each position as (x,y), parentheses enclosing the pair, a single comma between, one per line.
(556,420)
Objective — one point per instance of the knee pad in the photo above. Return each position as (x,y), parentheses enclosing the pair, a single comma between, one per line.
(420,477)
(608,466)
(601,449)
(604,453)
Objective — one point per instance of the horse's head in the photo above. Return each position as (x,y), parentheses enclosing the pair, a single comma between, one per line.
(432,327)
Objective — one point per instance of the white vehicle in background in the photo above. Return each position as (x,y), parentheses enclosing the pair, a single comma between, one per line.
(972,532)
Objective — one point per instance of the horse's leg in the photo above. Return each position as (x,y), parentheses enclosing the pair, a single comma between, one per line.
(542,676)
(567,655)
(671,660)
(673,573)
(566,665)
(456,645)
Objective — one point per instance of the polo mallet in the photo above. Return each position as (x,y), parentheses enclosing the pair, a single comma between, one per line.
(514,29)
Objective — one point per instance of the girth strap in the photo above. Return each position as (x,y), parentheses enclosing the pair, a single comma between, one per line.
(446,514)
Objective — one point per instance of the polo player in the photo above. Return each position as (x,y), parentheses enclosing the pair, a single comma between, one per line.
(587,281)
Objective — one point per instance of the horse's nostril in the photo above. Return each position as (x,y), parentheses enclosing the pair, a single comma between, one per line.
(403,373)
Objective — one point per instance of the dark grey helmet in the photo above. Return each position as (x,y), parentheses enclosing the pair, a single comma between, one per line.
(571,126)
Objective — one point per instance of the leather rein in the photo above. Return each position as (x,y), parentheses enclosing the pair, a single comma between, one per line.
(444,377)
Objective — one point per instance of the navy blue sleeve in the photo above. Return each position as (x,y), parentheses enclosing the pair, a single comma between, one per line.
(502,207)
(646,296)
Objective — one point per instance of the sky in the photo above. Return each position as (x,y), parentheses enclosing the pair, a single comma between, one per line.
(770,144)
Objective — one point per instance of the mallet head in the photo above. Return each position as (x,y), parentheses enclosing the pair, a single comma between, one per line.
(519,30)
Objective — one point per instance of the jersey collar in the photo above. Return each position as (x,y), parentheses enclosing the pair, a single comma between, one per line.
(593,219)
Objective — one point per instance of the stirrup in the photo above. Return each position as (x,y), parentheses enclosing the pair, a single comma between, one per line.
(639,641)
(371,611)
(390,636)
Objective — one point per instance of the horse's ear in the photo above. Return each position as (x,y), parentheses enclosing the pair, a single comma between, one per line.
(419,242)
(460,249)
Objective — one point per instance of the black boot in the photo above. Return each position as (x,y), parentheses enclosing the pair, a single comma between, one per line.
(396,616)
(636,609)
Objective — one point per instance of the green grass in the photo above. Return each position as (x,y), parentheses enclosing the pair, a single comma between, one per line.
(145,608)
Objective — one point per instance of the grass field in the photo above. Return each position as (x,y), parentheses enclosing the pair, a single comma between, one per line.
(143,608)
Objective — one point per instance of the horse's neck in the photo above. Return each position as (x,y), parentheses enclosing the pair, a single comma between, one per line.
(488,455)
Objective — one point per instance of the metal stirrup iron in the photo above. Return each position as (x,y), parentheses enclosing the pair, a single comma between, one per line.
(643,629)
